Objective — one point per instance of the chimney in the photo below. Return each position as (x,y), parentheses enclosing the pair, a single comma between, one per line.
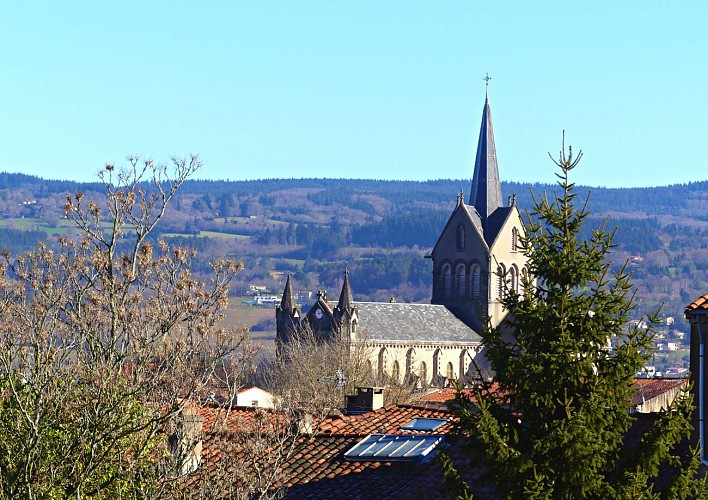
(186,440)
(365,400)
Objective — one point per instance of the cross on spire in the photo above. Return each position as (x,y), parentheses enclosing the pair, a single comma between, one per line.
(486,83)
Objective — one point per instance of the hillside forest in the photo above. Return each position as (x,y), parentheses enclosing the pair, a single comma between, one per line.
(381,231)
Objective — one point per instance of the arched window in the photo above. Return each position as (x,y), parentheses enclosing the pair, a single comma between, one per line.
(501,275)
(461,281)
(513,279)
(447,281)
(476,281)
(395,372)
(450,374)
(436,366)
(514,240)
(382,363)
(460,241)
(423,373)
(463,364)
(410,357)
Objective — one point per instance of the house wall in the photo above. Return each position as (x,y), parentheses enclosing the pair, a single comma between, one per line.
(698,319)
(660,402)
(261,398)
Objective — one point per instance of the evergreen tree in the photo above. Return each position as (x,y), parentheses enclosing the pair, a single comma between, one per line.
(554,424)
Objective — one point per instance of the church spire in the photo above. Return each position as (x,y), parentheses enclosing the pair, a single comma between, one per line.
(486,193)
(346,299)
(288,301)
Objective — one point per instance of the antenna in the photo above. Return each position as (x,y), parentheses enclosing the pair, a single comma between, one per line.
(337,377)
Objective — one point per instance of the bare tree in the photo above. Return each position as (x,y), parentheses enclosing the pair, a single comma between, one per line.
(315,375)
(244,453)
(104,341)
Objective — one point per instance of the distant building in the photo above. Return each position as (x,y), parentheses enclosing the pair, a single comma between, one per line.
(256,397)
(438,343)
(265,300)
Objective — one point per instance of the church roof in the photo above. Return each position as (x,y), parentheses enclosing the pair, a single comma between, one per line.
(495,222)
(473,216)
(400,322)
(346,299)
(486,193)
(288,301)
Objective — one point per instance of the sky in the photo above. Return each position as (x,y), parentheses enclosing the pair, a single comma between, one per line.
(356,89)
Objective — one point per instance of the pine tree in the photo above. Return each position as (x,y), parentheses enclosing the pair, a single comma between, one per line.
(555,422)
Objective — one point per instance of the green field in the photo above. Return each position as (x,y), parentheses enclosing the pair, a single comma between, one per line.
(240,315)
(30,224)
(208,234)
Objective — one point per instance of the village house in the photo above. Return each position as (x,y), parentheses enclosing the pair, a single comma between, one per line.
(697,315)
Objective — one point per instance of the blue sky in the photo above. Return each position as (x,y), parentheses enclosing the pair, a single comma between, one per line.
(356,89)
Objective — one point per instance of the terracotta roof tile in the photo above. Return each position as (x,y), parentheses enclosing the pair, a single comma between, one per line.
(317,468)
(701,303)
(649,388)
(646,388)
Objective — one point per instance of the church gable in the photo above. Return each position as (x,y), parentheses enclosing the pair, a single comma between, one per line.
(320,319)
(460,263)
(462,235)
(507,227)
(507,257)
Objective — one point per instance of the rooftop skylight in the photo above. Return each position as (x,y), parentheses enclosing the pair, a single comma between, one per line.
(424,424)
(388,447)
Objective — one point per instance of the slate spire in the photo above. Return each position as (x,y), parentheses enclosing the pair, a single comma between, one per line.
(346,299)
(486,195)
(288,301)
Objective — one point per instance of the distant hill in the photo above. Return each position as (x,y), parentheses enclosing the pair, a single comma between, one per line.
(379,230)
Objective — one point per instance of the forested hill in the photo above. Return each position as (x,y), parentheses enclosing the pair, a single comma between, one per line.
(314,228)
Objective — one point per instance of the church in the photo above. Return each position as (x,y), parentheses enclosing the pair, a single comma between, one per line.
(438,343)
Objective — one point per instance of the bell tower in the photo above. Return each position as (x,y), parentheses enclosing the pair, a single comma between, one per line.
(478,239)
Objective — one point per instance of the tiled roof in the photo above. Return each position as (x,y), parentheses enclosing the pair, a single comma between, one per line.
(335,477)
(646,388)
(317,467)
(700,304)
(401,322)
(386,420)
(442,395)
(649,388)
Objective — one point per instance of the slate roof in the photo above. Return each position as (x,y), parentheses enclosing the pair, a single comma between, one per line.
(287,303)
(401,322)
(495,222)
(486,193)
(346,299)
